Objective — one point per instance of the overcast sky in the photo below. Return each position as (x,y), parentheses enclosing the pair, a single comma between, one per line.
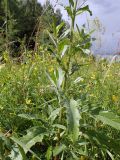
(108,13)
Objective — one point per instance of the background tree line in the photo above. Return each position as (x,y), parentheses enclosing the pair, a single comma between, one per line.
(24,21)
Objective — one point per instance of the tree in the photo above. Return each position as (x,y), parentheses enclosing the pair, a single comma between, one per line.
(25,20)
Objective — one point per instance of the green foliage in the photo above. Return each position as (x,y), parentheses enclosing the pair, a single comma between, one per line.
(32,101)
(110,119)
(24,22)
(73,117)
(60,103)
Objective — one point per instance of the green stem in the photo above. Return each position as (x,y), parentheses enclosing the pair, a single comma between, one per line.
(6,17)
(71,45)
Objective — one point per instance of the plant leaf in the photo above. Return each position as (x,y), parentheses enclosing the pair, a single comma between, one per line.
(110,154)
(51,80)
(52,38)
(33,117)
(65,34)
(15,153)
(59,27)
(22,153)
(30,117)
(103,140)
(69,11)
(34,135)
(71,2)
(83,9)
(54,114)
(17,141)
(62,43)
(57,150)
(59,126)
(110,119)
(85,51)
(73,118)
(49,153)
(64,50)
(60,78)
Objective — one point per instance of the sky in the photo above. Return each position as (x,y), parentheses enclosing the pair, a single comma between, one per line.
(108,14)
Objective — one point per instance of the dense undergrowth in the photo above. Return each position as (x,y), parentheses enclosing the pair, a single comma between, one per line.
(59,103)
(27,100)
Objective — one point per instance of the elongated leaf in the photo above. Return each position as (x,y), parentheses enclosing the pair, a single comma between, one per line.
(54,26)
(78,80)
(33,117)
(29,117)
(51,80)
(86,51)
(71,2)
(54,114)
(62,157)
(69,11)
(58,28)
(78,30)
(17,141)
(15,153)
(49,153)
(60,78)
(110,119)
(103,140)
(59,126)
(59,149)
(24,157)
(64,50)
(83,143)
(74,155)
(110,154)
(62,43)
(73,118)
(52,38)
(83,9)
(35,140)
(65,34)
(34,135)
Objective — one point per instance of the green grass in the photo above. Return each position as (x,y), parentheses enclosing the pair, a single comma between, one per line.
(60,103)
(25,89)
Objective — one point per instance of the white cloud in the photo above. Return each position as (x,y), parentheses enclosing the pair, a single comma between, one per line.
(42,1)
(108,12)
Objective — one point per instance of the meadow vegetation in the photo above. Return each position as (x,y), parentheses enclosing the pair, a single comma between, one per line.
(58,102)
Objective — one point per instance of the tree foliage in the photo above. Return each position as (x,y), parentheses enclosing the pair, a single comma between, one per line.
(22,19)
